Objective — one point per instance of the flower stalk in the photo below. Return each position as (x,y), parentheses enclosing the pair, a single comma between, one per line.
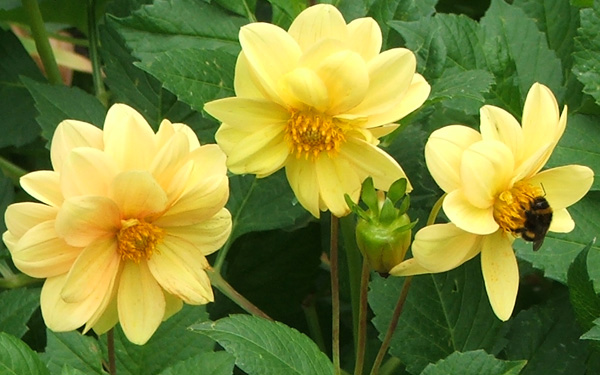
(335,295)
(362,319)
(99,89)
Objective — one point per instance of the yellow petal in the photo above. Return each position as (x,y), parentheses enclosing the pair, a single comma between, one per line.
(390,75)
(368,160)
(209,167)
(244,80)
(167,130)
(500,273)
(249,115)
(107,320)
(96,261)
(442,247)
(271,52)
(43,186)
(541,123)
(128,139)
(173,305)
(318,22)
(347,79)
(443,154)
(366,37)
(302,88)
(137,194)
(497,124)
(10,240)
(408,267)
(561,221)
(564,185)
(179,268)
(82,220)
(170,160)
(486,170)
(70,134)
(40,253)
(468,217)
(302,177)
(141,302)
(336,177)
(87,171)
(20,217)
(208,235)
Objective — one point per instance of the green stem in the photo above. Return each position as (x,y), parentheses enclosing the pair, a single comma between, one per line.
(354,259)
(224,287)
(312,319)
(110,344)
(94,55)
(435,210)
(38,31)
(335,295)
(249,13)
(362,327)
(17,281)
(11,170)
(392,328)
(390,366)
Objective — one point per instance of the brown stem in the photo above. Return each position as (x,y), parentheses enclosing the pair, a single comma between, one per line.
(335,295)
(110,343)
(362,319)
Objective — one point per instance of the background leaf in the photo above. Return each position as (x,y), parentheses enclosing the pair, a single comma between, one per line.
(73,349)
(17,359)
(17,307)
(212,363)
(584,299)
(587,51)
(474,363)
(261,347)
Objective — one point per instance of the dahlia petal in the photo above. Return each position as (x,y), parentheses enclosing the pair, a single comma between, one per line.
(442,247)
(302,88)
(179,266)
(84,219)
(337,177)
(128,139)
(208,235)
(141,302)
(96,260)
(22,216)
(408,267)
(41,253)
(209,161)
(366,37)
(10,240)
(500,273)
(347,79)
(249,115)
(499,125)
(485,171)
(320,51)
(390,75)
(532,165)
(368,160)
(169,159)
(561,221)
(564,185)
(87,171)
(43,186)
(70,134)
(173,305)
(302,177)
(243,81)
(443,154)
(167,130)
(467,217)
(137,194)
(318,22)
(541,123)
(107,320)
(268,63)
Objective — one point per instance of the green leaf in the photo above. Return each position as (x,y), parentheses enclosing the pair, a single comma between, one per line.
(212,363)
(559,249)
(443,313)
(176,24)
(194,83)
(58,103)
(17,359)
(7,196)
(17,307)
(263,204)
(474,363)
(262,347)
(384,11)
(16,106)
(291,8)
(547,336)
(584,299)
(242,7)
(594,332)
(587,51)
(462,90)
(68,370)
(170,344)
(73,349)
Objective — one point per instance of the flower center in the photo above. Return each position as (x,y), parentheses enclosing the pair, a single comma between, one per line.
(311,133)
(138,239)
(512,206)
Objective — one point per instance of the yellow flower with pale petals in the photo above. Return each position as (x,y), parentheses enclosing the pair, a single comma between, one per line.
(315,100)
(125,221)
(490,179)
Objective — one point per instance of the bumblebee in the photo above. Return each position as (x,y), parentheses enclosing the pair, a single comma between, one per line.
(538,217)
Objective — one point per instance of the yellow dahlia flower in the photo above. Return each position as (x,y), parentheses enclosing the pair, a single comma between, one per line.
(496,193)
(125,221)
(315,100)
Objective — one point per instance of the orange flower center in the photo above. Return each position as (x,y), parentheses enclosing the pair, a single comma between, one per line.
(311,133)
(138,239)
(511,206)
